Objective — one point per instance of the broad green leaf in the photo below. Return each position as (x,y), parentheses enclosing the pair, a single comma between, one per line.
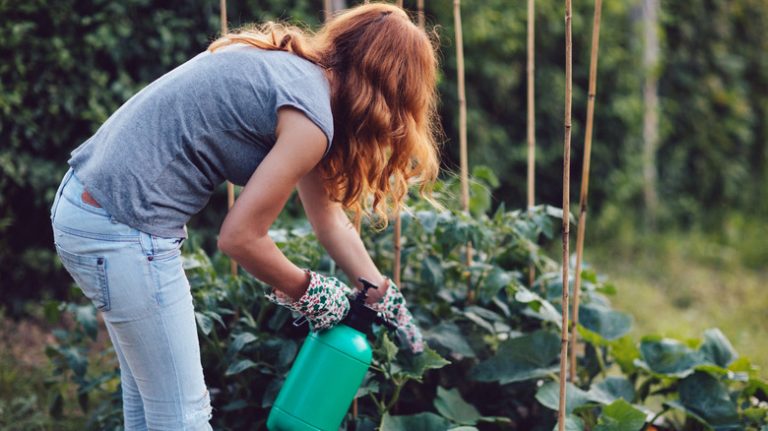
(538,307)
(450,404)
(479,198)
(572,423)
(370,385)
(717,371)
(270,393)
(611,389)
(432,272)
(706,396)
(240,340)
(85,315)
(448,335)
(717,349)
(620,416)
(625,352)
(756,414)
(428,220)
(486,174)
(76,359)
(496,280)
(287,353)
(667,356)
(549,396)
(610,324)
(204,322)
(239,367)
(420,422)
(521,358)
(388,348)
(414,366)
(479,321)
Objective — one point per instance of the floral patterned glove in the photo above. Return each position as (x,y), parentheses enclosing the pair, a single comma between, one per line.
(392,306)
(324,304)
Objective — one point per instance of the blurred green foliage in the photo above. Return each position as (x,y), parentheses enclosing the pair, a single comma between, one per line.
(491,364)
(67,65)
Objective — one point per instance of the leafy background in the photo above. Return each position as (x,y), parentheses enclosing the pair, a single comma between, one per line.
(68,64)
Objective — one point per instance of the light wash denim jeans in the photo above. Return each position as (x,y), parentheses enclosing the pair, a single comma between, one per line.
(137,281)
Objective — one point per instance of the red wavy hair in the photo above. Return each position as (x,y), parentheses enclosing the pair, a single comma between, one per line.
(382,70)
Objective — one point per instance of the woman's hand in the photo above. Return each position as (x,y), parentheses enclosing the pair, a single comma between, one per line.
(324,304)
(392,306)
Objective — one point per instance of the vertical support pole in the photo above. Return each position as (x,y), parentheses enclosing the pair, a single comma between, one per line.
(327,9)
(531,123)
(420,8)
(566,212)
(463,135)
(581,232)
(650,109)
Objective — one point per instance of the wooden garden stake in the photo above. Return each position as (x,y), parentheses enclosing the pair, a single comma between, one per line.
(420,9)
(397,249)
(463,134)
(397,246)
(566,212)
(585,180)
(531,125)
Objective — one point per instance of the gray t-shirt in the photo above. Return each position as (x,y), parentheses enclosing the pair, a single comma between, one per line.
(157,160)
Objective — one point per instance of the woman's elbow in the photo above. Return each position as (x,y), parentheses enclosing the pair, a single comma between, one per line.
(236,242)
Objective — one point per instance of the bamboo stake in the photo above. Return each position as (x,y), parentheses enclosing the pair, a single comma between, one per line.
(463,135)
(585,179)
(420,7)
(566,211)
(327,9)
(400,3)
(397,249)
(531,124)
(230,186)
(397,246)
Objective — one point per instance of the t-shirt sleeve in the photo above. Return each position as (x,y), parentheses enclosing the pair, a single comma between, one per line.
(310,95)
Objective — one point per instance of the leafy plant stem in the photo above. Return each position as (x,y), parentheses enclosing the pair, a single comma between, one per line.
(379,405)
(396,395)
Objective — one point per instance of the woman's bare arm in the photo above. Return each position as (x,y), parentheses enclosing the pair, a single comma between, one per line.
(244,233)
(337,234)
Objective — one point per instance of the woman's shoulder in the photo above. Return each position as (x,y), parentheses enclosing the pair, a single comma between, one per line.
(285,65)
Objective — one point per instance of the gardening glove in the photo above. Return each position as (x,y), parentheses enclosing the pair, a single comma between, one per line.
(324,304)
(392,306)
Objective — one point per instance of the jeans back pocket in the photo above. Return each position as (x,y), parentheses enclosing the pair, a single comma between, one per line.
(90,274)
(165,248)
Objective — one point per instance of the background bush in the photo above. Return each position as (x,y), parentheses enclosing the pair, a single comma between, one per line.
(67,65)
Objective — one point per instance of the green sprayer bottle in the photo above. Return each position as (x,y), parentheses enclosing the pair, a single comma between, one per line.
(327,372)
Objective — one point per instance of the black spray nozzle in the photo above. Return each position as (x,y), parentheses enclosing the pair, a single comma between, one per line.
(360,316)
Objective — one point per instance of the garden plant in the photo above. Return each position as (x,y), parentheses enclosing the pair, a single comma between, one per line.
(492,362)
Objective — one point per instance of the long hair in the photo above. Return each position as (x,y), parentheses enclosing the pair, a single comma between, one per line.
(383,70)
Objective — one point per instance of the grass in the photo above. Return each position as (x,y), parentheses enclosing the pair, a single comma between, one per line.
(679,285)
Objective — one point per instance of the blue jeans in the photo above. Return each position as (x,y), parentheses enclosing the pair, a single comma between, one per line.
(137,281)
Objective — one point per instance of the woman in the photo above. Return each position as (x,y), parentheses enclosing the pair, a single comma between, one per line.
(347,116)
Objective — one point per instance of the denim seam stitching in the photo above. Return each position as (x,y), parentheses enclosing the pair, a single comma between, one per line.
(105,285)
(91,235)
(180,403)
